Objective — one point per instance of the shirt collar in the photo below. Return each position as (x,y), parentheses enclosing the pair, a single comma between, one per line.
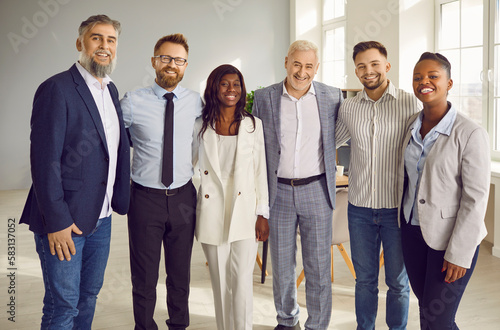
(160,91)
(446,124)
(310,91)
(390,90)
(443,127)
(90,79)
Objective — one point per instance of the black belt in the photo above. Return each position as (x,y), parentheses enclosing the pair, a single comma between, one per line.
(300,182)
(167,192)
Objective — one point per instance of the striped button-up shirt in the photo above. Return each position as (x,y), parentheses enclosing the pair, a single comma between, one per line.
(376,129)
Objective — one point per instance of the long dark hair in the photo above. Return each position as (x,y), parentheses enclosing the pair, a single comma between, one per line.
(211,111)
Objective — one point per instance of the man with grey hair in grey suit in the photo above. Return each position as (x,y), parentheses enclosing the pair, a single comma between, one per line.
(298,115)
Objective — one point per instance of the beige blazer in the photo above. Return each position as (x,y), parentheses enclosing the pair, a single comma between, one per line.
(250,184)
(453,192)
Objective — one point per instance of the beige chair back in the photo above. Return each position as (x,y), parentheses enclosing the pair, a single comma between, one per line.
(340,228)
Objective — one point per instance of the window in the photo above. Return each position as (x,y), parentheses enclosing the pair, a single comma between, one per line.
(333,63)
(333,9)
(461,41)
(493,77)
(471,42)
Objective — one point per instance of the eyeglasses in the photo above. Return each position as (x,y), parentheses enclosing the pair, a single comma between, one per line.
(167,59)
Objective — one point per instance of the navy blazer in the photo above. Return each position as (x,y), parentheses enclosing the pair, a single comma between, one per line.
(69,157)
(267,107)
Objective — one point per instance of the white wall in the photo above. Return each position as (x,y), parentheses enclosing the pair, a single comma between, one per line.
(307,18)
(373,20)
(38,40)
(416,35)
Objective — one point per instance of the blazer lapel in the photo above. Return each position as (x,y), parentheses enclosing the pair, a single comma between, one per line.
(243,145)
(323,111)
(275,96)
(209,141)
(87,97)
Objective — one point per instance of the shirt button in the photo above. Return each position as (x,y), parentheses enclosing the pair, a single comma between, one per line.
(422,201)
(206,172)
(279,152)
(206,196)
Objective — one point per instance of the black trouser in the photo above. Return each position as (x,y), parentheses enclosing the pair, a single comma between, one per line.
(437,300)
(155,218)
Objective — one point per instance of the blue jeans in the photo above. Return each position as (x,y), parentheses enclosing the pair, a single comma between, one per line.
(368,228)
(71,287)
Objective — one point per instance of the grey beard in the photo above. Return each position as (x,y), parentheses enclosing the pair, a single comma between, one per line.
(96,69)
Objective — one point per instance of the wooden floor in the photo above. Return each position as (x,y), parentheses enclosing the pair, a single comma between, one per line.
(480,307)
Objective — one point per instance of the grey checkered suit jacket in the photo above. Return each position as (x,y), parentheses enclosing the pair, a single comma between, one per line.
(267,106)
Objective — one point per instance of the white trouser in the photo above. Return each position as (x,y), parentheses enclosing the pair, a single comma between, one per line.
(231,272)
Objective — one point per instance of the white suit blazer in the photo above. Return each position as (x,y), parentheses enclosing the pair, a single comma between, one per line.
(453,192)
(250,184)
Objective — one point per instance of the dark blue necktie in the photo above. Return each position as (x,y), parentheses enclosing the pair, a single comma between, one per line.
(167,171)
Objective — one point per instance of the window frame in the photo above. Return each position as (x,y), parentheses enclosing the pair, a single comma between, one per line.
(328,25)
(488,46)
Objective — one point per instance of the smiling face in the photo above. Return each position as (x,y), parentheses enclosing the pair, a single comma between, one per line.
(229,90)
(372,68)
(169,75)
(431,82)
(97,49)
(301,67)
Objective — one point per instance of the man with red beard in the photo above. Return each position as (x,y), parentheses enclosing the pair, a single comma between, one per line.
(160,119)
(80,166)
(375,121)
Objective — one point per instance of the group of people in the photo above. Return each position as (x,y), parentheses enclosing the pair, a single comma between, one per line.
(418,185)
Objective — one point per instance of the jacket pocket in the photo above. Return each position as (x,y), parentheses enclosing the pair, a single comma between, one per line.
(449,212)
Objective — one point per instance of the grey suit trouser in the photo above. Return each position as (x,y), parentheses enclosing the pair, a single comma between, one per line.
(305,207)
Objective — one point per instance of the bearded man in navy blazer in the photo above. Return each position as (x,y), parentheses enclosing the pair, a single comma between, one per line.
(298,115)
(80,166)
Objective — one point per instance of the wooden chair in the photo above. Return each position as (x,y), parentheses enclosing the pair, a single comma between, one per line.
(340,234)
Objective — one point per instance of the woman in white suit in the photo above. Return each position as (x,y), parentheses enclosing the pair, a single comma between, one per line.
(233,207)
(444,180)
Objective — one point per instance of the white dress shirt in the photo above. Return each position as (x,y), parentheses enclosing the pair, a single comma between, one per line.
(301,143)
(376,129)
(109,119)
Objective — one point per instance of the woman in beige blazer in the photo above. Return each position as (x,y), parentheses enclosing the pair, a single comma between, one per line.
(233,207)
(443,188)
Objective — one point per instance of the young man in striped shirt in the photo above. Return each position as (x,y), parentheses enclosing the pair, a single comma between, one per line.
(375,121)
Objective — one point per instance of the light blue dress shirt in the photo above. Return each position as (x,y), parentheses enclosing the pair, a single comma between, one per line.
(144,113)
(415,155)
